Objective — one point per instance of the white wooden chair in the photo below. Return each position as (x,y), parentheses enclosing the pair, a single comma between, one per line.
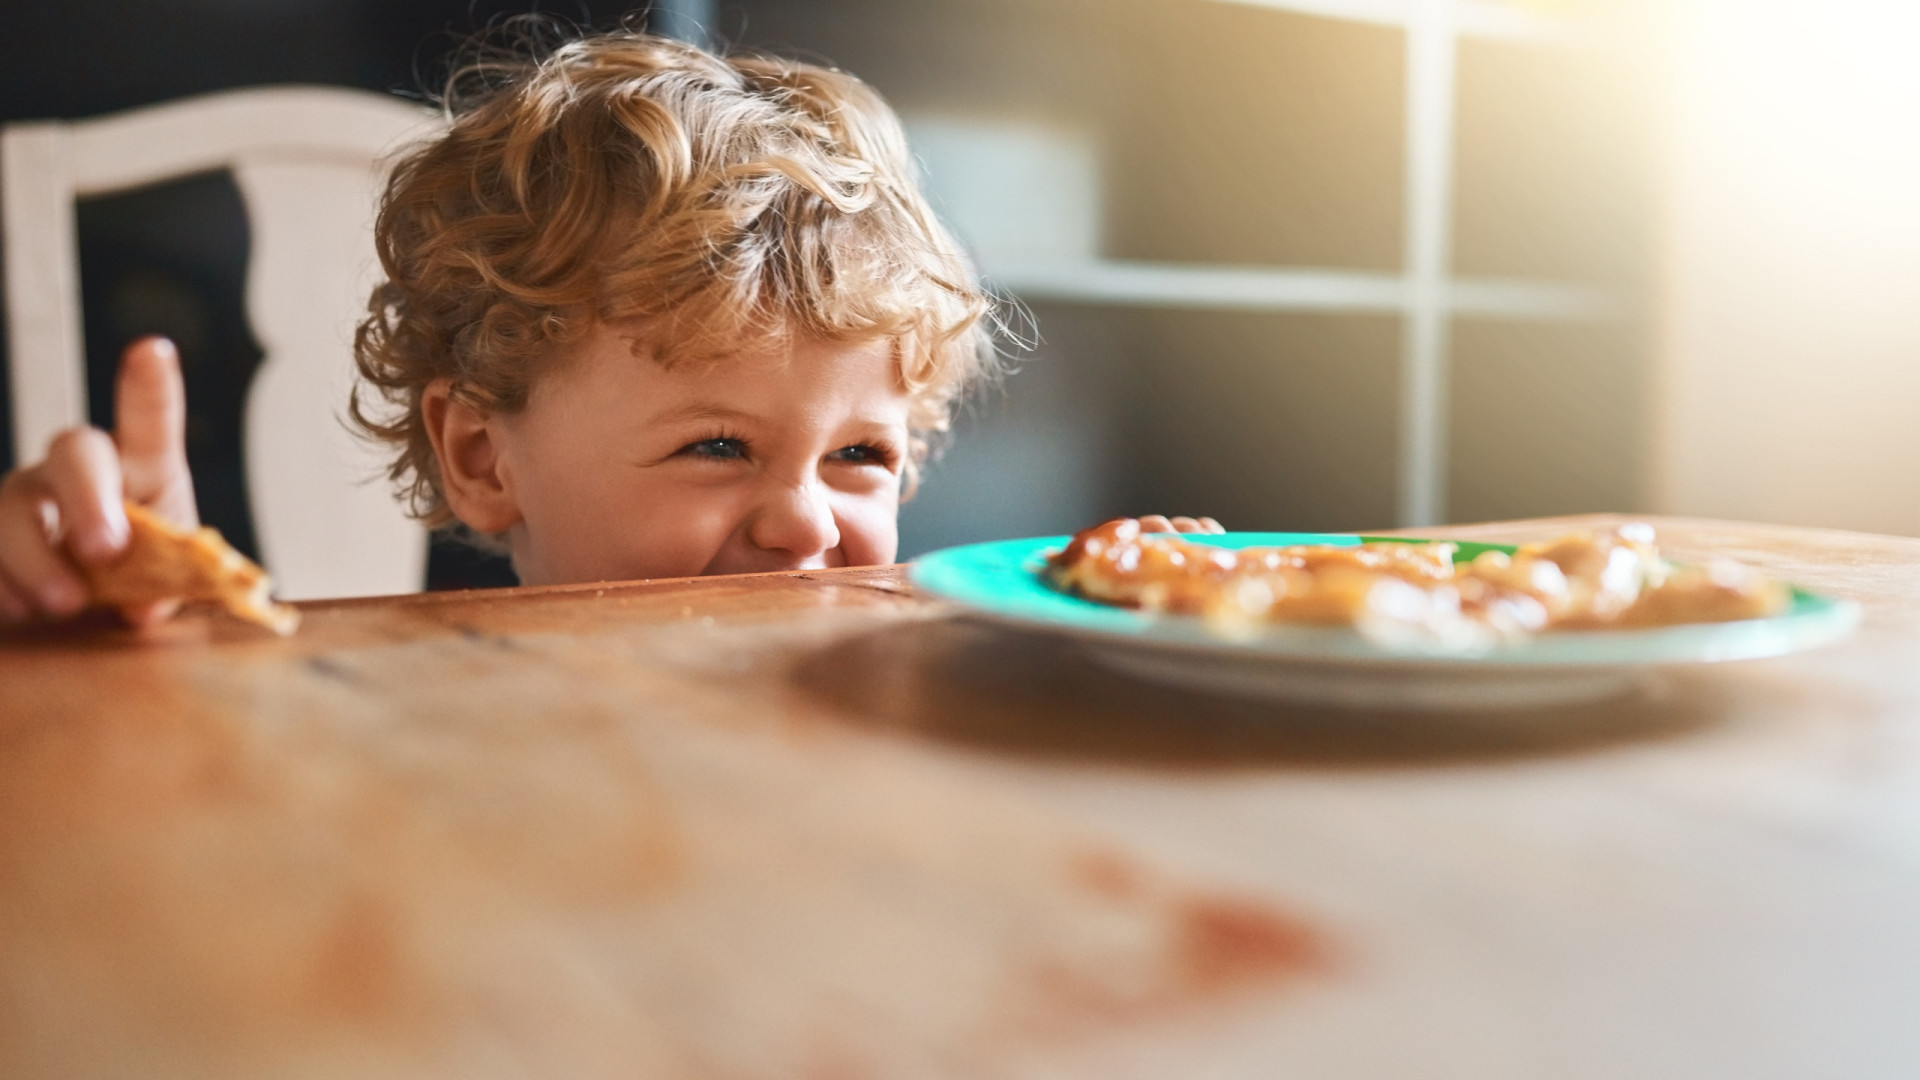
(308,162)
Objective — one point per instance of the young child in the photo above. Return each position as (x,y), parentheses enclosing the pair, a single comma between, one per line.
(648,312)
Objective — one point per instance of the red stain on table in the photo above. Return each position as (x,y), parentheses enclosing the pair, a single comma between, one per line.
(1190,948)
(1107,874)
(1228,942)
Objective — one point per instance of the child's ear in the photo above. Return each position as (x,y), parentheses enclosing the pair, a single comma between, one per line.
(470,463)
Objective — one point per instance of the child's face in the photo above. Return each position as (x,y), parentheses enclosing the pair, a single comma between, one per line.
(782,459)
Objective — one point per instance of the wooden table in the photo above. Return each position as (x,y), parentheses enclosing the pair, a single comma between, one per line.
(811,825)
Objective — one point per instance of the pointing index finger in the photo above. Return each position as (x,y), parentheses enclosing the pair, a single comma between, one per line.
(150,423)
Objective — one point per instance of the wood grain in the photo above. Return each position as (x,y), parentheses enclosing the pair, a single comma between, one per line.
(814,825)
(561,832)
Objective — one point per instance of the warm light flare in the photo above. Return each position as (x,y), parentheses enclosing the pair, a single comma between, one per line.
(1825,94)
(1792,315)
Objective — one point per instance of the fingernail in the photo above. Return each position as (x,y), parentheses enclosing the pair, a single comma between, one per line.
(61,597)
(97,545)
(108,540)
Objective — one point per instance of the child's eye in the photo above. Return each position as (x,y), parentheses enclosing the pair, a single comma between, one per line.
(863,454)
(716,449)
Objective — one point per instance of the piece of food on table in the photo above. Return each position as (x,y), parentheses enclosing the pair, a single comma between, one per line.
(165,562)
(1392,591)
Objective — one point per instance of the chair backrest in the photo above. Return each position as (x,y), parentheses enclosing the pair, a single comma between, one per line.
(308,162)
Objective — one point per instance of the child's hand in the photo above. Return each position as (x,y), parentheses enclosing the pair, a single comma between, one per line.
(1157,523)
(66,510)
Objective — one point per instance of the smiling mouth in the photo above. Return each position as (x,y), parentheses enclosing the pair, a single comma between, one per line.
(826,560)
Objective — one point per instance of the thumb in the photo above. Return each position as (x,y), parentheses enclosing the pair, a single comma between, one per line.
(150,426)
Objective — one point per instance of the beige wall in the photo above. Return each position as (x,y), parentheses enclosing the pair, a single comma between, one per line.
(1788,358)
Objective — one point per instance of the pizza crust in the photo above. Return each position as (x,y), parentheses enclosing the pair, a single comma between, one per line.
(165,562)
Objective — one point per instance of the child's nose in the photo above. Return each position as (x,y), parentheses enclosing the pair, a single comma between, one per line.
(797,519)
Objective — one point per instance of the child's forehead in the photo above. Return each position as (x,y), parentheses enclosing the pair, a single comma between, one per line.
(771,352)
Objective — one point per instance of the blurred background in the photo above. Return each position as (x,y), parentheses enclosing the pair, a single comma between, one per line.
(1297,264)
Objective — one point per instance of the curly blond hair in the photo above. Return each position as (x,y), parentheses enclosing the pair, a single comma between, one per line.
(727,201)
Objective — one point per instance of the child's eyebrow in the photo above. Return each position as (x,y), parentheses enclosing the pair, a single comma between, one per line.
(698,412)
(703,411)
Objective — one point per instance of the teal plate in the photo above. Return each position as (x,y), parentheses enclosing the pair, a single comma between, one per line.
(1001,581)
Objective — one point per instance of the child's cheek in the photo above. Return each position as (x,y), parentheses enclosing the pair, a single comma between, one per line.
(704,525)
(870,531)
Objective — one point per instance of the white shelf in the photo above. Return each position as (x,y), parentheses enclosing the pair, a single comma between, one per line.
(1473,18)
(1184,285)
